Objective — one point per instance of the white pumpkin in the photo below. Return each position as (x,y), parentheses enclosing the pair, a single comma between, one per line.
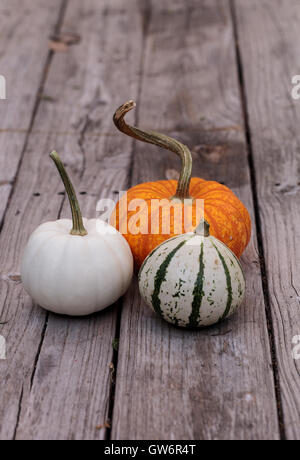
(76,268)
(192,280)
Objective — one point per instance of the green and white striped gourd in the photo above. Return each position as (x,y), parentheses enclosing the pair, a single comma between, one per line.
(192,280)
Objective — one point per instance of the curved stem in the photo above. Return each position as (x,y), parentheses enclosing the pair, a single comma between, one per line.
(161,140)
(78,227)
(203,228)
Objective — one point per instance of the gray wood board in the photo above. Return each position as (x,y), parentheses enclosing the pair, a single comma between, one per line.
(23,68)
(23,61)
(268,35)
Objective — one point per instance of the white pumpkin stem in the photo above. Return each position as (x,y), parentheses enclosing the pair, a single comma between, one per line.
(203,228)
(78,227)
(152,137)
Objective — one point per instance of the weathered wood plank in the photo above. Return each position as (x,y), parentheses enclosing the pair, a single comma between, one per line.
(22,62)
(19,24)
(268,35)
(215,383)
(70,391)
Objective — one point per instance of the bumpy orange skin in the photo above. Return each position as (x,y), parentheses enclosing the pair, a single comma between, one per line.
(228,218)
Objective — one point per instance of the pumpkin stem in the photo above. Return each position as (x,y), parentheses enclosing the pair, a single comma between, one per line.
(78,227)
(163,141)
(203,228)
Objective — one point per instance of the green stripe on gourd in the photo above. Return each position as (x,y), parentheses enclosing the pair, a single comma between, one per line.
(161,276)
(228,282)
(197,292)
(154,251)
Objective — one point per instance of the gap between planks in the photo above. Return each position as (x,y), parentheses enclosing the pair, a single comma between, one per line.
(260,244)
(146,21)
(107,134)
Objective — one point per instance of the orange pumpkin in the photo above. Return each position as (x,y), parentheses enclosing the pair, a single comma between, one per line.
(146,221)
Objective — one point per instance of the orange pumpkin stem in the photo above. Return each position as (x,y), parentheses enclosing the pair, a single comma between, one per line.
(152,137)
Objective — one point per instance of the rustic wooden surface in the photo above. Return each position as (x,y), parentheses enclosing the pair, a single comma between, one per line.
(216,75)
(269,53)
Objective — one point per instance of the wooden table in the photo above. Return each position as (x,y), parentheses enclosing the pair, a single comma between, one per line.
(215,74)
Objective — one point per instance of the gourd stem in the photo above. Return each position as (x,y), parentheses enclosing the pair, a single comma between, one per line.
(78,227)
(203,228)
(161,140)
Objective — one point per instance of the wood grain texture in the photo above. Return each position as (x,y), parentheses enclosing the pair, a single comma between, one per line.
(19,64)
(22,62)
(69,395)
(268,37)
(215,383)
